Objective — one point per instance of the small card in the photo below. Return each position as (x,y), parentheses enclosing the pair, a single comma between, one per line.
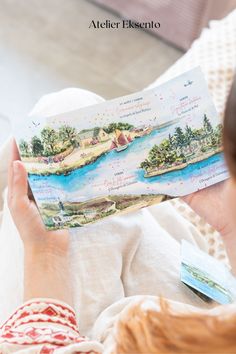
(205,274)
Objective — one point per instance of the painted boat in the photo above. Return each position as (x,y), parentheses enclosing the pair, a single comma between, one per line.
(121,148)
(121,141)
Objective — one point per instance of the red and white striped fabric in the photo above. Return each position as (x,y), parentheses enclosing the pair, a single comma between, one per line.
(44,326)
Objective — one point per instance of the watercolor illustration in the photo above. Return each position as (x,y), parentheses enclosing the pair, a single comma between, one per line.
(123,154)
(201,280)
(206,275)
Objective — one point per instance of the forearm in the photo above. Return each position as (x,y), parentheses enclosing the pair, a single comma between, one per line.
(46,275)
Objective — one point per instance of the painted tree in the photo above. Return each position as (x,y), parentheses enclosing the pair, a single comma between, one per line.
(169,154)
(120,125)
(110,128)
(162,154)
(96,131)
(189,136)
(218,134)
(198,133)
(68,134)
(50,140)
(155,156)
(179,138)
(214,141)
(37,146)
(176,147)
(171,140)
(124,126)
(146,164)
(24,147)
(207,125)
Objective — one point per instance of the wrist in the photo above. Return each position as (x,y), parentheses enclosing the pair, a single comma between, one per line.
(46,274)
(43,254)
(54,244)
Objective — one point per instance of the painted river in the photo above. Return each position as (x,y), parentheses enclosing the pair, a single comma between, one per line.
(84,179)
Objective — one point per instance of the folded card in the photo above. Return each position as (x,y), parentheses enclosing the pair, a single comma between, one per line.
(207,275)
(123,154)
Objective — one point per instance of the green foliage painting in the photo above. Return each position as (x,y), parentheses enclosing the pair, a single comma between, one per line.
(183,145)
(51,141)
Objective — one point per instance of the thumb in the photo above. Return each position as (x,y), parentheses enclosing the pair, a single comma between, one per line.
(18,187)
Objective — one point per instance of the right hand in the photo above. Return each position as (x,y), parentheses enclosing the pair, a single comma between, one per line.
(209,203)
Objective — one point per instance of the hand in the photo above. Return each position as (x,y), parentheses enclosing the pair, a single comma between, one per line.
(209,204)
(25,213)
(46,269)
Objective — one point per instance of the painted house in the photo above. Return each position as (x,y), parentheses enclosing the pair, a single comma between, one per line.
(92,137)
(141,130)
(59,220)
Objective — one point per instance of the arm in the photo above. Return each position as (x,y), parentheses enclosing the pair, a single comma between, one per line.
(45,322)
(46,252)
(230,245)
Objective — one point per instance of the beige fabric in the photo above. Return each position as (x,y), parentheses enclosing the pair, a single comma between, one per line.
(181,21)
(215,52)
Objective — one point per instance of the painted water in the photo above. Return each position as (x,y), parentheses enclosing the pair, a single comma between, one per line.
(127,161)
(212,292)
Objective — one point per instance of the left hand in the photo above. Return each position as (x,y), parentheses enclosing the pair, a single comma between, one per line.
(26,215)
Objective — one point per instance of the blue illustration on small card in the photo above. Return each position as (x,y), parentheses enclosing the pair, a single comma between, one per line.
(206,275)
